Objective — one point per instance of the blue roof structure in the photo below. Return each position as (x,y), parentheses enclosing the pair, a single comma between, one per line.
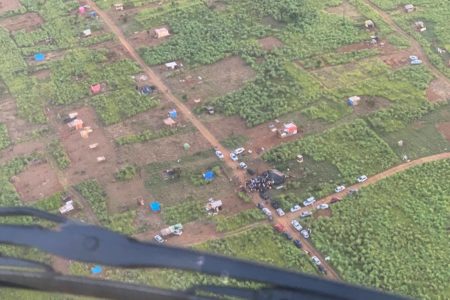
(96,269)
(155,206)
(39,57)
(173,113)
(208,175)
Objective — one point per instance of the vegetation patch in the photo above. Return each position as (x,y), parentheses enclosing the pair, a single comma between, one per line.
(4,137)
(239,220)
(126,173)
(149,135)
(377,239)
(96,196)
(353,148)
(59,154)
(185,211)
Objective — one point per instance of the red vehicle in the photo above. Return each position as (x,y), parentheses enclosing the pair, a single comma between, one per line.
(335,199)
(279,228)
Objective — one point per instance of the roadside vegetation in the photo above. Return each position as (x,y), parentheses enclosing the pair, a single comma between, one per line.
(4,137)
(381,237)
(246,217)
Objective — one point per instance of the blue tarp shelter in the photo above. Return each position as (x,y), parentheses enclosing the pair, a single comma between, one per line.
(155,206)
(173,114)
(208,175)
(96,269)
(39,57)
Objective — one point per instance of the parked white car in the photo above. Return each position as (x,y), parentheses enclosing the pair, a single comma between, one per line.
(322,206)
(361,178)
(413,57)
(296,225)
(159,239)
(339,189)
(305,214)
(233,156)
(280,212)
(309,201)
(267,212)
(305,233)
(295,208)
(316,260)
(219,154)
(239,150)
(242,165)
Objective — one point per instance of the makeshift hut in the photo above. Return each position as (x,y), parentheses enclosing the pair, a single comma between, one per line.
(39,57)
(288,129)
(420,26)
(186,146)
(409,8)
(160,32)
(353,101)
(172,114)
(96,88)
(171,65)
(81,10)
(155,206)
(118,6)
(213,206)
(369,24)
(87,32)
(277,177)
(96,269)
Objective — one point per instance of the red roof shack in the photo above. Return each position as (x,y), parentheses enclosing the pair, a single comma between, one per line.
(288,130)
(96,88)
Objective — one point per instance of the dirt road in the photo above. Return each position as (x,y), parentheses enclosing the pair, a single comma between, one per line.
(164,90)
(415,46)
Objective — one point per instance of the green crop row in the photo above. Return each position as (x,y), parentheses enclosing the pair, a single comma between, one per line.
(185,211)
(148,135)
(96,196)
(126,173)
(4,137)
(239,220)
(391,230)
(59,154)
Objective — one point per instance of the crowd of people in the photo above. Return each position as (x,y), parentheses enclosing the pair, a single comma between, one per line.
(260,183)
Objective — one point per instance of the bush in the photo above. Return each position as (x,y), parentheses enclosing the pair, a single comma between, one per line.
(4,138)
(59,155)
(126,173)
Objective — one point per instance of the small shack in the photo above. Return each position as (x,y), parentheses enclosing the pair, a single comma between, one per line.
(118,6)
(213,206)
(409,8)
(159,33)
(96,88)
(169,122)
(81,10)
(186,146)
(288,130)
(420,26)
(172,65)
(96,270)
(277,177)
(209,175)
(87,32)
(210,110)
(353,101)
(67,207)
(173,114)
(146,90)
(369,24)
(39,57)
(155,206)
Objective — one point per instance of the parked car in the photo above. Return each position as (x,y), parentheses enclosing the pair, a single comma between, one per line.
(279,228)
(233,156)
(309,201)
(361,178)
(275,204)
(322,206)
(322,269)
(280,212)
(335,199)
(296,225)
(266,211)
(298,244)
(413,57)
(242,165)
(287,235)
(295,208)
(238,150)
(159,239)
(219,154)
(416,62)
(339,189)
(305,233)
(316,260)
(305,214)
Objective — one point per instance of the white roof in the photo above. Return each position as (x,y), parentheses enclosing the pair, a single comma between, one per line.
(87,32)
(171,64)
(409,6)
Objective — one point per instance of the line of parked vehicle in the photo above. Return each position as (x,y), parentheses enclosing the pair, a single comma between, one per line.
(234,155)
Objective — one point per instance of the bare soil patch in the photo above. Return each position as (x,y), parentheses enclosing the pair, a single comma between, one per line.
(27,22)
(37,182)
(8,5)
(208,82)
(444,129)
(116,50)
(438,90)
(145,39)
(163,149)
(345,9)
(42,74)
(368,105)
(397,59)
(124,194)
(270,43)
(323,213)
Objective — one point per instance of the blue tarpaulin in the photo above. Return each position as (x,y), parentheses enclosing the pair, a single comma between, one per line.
(39,57)
(155,206)
(208,175)
(96,269)
(173,114)
(146,90)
